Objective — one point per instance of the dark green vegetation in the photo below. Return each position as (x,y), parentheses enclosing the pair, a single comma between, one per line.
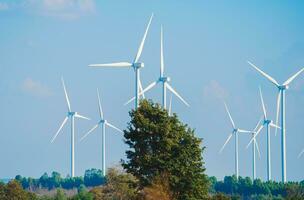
(245,188)
(92,177)
(164,162)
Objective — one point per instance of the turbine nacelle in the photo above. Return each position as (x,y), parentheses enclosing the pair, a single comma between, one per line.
(138,65)
(72,113)
(102,121)
(267,121)
(164,79)
(283,87)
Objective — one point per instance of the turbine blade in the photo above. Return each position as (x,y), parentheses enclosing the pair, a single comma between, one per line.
(257,148)
(257,125)
(301,153)
(161,53)
(278,111)
(170,106)
(118,64)
(141,46)
(144,91)
(81,117)
(263,105)
(274,126)
(244,131)
(99,105)
(176,94)
(61,126)
(90,131)
(255,135)
(114,127)
(264,74)
(66,95)
(231,120)
(229,137)
(141,89)
(293,77)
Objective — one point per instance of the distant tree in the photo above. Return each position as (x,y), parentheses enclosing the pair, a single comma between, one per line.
(93,177)
(83,194)
(43,180)
(159,144)
(54,181)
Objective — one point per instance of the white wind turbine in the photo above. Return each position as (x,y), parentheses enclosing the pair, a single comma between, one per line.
(280,103)
(102,123)
(164,80)
(170,106)
(265,123)
(136,65)
(255,147)
(70,115)
(235,132)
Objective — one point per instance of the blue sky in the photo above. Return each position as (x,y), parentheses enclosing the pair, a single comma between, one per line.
(206,46)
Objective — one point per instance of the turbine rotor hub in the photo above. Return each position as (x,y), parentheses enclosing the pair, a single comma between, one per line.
(164,79)
(283,87)
(138,65)
(71,113)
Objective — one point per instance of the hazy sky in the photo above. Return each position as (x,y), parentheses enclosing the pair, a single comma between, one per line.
(206,46)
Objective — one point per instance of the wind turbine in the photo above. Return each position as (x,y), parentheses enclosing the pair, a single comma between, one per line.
(280,103)
(235,132)
(164,80)
(255,147)
(265,123)
(136,65)
(70,115)
(102,123)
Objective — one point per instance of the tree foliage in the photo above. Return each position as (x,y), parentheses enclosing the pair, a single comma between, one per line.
(161,144)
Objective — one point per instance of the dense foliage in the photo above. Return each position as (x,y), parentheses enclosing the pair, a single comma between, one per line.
(248,189)
(162,145)
(92,177)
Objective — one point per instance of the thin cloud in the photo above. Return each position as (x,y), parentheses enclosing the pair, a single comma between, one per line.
(214,89)
(35,88)
(62,9)
(3,6)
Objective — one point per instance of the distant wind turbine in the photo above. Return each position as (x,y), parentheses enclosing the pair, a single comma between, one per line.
(102,123)
(235,132)
(280,99)
(265,123)
(255,147)
(136,65)
(70,115)
(164,80)
(170,106)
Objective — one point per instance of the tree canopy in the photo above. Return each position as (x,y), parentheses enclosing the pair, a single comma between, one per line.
(161,144)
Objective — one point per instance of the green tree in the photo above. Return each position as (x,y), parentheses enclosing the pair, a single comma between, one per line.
(60,195)
(161,144)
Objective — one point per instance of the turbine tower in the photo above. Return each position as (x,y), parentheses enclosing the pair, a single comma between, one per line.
(136,65)
(164,80)
(102,123)
(280,104)
(265,123)
(235,133)
(255,147)
(70,115)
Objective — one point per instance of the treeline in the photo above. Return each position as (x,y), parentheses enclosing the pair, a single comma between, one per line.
(91,178)
(245,188)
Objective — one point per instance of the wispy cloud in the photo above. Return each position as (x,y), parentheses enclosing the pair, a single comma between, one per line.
(4,6)
(62,9)
(214,89)
(35,88)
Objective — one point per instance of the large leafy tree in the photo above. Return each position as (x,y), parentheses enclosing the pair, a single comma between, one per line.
(161,144)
